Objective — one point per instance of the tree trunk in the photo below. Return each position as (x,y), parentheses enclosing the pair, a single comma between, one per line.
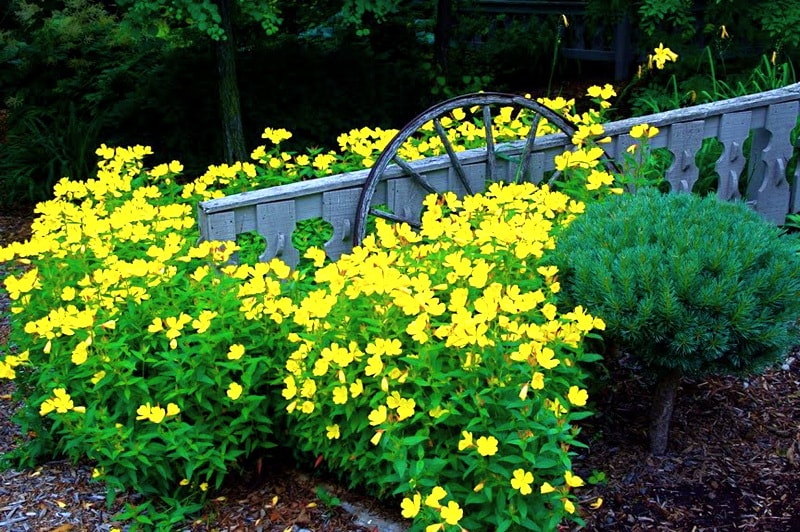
(661,413)
(231,112)
(441,34)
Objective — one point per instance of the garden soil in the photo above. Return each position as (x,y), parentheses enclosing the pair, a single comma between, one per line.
(733,463)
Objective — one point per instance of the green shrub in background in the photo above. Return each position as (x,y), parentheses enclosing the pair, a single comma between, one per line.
(688,285)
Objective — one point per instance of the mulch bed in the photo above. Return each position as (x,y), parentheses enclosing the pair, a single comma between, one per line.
(733,464)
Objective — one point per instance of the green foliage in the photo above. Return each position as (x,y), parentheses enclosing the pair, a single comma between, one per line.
(43,147)
(685,282)
(657,92)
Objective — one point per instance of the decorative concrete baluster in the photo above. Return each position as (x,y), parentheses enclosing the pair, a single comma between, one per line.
(276,222)
(733,131)
(772,194)
(684,142)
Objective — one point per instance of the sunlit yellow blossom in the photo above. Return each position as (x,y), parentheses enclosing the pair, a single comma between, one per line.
(80,353)
(434,499)
(605,92)
(487,446)
(661,55)
(569,506)
(546,488)
(356,388)
(522,481)
(573,481)
(234,390)
(60,402)
(235,352)
(378,415)
(577,396)
(374,366)
(332,432)
(276,136)
(154,414)
(452,513)
(411,506)
(340,395)
(641,131)
(406,408)
(173,409)
(466,440)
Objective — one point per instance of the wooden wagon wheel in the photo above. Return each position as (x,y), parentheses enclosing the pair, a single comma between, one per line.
(485,102)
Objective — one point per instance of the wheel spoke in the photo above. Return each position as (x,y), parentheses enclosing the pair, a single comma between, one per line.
(394,218)
(491,163)
(453,157)
(413,173)
(525,159)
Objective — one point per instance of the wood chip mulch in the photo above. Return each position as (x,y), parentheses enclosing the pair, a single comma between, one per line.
(733,464)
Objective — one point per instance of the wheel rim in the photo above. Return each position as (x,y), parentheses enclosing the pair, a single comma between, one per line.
(485,101)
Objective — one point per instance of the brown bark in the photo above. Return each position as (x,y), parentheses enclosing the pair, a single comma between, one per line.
(232,129)
(663,405)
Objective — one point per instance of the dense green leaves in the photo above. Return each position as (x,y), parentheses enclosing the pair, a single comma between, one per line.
(684,282)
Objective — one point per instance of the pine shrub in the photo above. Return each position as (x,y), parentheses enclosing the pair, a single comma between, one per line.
(687,285)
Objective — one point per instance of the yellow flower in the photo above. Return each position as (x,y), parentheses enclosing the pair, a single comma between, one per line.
(333,432)
(378,416)
(522,481)
(234,391)
(411,506)
(340,395)
(662,55)
(487,446)
(154,414)
(405,409)
(204,486)
(569,506)
(546,488)
(317,255)
(60,402)
(235,352)
(173,409)
(597,504)
(537,381)
(573,481)
(577,396)
(276,135)
(723,34)
(641,131)
(437,494)
(466,441)
(356,388)
(452,513)
(605,92)
(374,365)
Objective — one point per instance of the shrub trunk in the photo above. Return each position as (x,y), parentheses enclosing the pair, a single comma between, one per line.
(661,413)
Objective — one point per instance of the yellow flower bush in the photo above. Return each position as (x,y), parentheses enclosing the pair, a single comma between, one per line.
(120,311)
(417,347)
(418,359)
